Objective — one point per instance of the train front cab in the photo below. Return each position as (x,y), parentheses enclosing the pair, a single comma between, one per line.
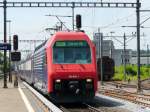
(76,90)
(73,74)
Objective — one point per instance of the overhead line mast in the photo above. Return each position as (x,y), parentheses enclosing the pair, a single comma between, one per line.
(138,45)
(73,5)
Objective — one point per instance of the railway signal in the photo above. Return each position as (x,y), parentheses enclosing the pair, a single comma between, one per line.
(15,42)
(78,21)
(15,56)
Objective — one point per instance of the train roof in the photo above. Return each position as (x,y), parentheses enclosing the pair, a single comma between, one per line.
(67,34)
(62,35)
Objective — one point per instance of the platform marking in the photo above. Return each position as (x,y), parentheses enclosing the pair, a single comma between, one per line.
(26,101)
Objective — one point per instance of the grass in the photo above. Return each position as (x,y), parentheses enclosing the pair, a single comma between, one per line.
(131,72)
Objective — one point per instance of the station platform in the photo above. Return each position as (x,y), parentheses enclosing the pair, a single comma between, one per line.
(11,99)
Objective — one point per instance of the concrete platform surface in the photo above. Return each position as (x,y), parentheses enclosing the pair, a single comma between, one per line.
(10,99)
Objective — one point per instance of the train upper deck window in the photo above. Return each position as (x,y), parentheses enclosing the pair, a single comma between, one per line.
(71,52)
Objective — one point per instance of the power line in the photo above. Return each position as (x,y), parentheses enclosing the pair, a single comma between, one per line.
(144,21)
(62,23)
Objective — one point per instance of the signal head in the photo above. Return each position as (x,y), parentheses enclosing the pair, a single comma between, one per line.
(78,21)
(15,42)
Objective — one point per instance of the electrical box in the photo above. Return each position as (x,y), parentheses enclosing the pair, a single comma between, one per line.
(15,56)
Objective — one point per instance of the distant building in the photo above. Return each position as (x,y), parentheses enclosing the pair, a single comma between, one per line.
(143,60)
(109,50)
(119,56)
(108,46)
(144,57)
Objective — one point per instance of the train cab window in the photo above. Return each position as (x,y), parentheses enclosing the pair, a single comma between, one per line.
(71,52)
(58,55)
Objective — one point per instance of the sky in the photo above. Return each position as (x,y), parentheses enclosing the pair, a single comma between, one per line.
(30,23)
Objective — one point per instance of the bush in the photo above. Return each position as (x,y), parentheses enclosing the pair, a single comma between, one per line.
(131,72)
(118,77)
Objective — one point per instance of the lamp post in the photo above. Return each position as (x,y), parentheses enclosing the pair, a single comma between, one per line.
(111,44)
(124,56)
(10,76)
(148,55)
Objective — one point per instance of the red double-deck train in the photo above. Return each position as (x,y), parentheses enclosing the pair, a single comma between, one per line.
(63,67)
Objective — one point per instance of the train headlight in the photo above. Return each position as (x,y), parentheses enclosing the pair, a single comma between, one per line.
(88,80)
(57,84)
(57,80)
(89,84)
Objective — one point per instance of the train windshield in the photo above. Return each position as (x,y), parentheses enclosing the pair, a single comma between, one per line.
(77,52)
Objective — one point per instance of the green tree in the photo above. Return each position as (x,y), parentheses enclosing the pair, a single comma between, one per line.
(2,63)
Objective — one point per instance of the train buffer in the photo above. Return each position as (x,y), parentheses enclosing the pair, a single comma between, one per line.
(11,99)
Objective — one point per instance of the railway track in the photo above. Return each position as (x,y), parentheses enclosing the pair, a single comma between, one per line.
(145,80)
(50,107)
(132,97)
(93,109)
(82,107)
(120,85)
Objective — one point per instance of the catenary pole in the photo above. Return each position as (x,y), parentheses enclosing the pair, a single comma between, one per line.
(148,56)
(99,54)
(101,37)
(138,46)
(5,39)
(72,15)
(124,56)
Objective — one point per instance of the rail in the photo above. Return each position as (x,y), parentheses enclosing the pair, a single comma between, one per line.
(81,107)
(133,97)
(64,109)
(93,109)
(119,84)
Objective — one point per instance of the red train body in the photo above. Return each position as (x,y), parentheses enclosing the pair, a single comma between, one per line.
(64,67)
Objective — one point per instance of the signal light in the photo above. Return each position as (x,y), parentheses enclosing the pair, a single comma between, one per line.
(15,42)
(78,21)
